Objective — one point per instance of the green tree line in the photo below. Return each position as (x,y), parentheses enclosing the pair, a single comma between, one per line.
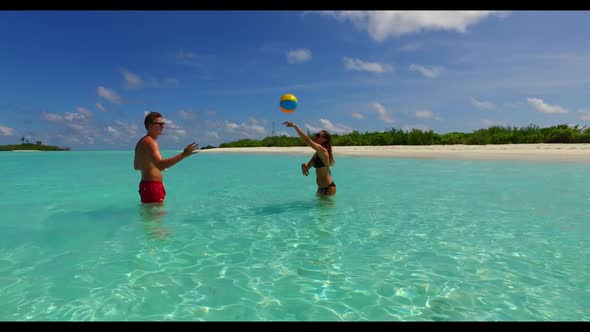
(493,135)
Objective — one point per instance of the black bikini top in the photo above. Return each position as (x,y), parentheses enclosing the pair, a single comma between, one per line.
(317,161)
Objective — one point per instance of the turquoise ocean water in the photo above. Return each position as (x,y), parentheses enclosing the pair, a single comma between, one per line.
(243,238)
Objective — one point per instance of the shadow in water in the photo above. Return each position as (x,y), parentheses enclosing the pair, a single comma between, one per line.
(318,204)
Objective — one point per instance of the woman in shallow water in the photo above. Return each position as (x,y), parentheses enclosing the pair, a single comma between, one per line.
(321,160)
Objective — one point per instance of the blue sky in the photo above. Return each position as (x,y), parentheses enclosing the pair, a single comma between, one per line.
(85,80)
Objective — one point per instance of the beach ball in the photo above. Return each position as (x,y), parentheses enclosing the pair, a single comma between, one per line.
(288,103)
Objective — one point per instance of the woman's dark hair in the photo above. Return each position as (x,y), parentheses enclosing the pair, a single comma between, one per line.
(328,144)
(150,118)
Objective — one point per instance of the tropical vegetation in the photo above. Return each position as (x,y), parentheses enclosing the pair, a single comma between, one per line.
(493,135)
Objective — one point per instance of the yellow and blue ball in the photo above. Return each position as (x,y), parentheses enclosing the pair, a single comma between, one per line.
(288,103)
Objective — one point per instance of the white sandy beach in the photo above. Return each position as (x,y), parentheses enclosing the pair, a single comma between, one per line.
(541,152)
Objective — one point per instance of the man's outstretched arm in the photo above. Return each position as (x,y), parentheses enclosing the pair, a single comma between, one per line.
(161,163)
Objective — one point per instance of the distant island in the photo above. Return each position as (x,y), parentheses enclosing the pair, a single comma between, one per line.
(28,146)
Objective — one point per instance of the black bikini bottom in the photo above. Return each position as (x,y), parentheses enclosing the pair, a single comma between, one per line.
(324,191)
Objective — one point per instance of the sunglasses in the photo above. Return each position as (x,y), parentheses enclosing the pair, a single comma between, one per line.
(161,124)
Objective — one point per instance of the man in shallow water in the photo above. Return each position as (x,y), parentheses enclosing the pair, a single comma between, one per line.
(149,160)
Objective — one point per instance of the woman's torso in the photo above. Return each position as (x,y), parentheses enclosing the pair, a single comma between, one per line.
(322,171)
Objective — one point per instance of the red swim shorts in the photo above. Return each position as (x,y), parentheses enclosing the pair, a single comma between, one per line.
(152,191)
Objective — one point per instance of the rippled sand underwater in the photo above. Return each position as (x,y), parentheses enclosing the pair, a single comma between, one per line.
(243,238)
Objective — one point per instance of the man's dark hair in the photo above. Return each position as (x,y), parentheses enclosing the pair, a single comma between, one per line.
(150,118)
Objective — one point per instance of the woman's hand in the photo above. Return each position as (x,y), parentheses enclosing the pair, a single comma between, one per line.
(305,169)
(289,124)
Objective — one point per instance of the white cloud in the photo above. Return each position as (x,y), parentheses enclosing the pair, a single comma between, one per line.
(193,59)
(180,132)
(584,115)
(540,106)
(134,81)
(70,139)
(256,121)
(430,72)
(482,105)
(73,116)
(101,107)
(231,125)
(119,132)
(357,115)
(81,128)
(254,128)
(6,131)
(109,95)
(359,65)
(409,47)
(74,127)
(80,140)
(427,114)
(131,80)
(382,112)
(332,128)
(52,117)
(126,128)
(78,127)
(390,23)
(173,130)
(67,117)
(213,134)
(250,129)
(422,127)
(487,122)
(84,111)
(112,130)
(187,115)
(299,55)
